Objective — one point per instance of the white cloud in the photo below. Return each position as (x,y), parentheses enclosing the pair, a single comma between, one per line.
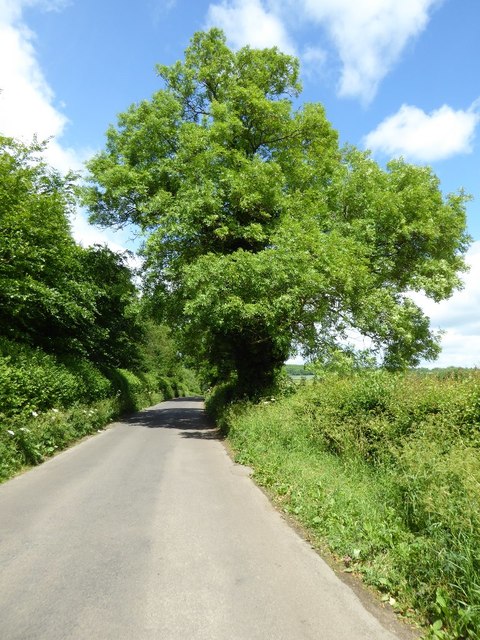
(116,240)
(458,350)
(26,100)
(458,317)
(425,137)
(369,36)
(248,22)
(27,105)
(314,60)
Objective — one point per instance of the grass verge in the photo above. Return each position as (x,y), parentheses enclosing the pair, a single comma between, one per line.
(384,470)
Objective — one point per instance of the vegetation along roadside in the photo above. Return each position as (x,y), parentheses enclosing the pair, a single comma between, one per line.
(383,469)
(78,346)
(263,238)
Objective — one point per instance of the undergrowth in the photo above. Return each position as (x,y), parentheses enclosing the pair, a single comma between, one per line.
(385,469)
(47,403)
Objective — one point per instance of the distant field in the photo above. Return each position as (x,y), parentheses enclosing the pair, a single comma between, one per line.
(302,379)
(298,371)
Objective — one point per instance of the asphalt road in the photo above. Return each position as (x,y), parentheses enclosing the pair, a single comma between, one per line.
(149,531)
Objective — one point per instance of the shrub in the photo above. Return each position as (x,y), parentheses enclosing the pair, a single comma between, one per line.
(29,439)
(46,403)
(32,380)
(165,386)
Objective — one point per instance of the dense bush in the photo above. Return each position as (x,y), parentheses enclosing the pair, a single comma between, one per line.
(31,380)
(47,402)
(385,468)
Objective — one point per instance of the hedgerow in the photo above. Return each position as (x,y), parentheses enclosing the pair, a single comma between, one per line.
(48,402)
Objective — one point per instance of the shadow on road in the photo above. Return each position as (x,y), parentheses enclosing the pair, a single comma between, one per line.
(207,434)
(191,421)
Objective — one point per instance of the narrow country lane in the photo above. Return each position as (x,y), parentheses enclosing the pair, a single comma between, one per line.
(149,531)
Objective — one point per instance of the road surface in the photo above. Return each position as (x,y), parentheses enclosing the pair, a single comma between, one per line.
(149,531)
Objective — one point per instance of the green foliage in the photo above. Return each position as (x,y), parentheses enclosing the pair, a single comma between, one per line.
(45,404)
(115,334)
(53,293)
(40,299)
(165,386)
(159,358)
(134,390)
(264,236)
(188,382)
(31,380)
(384,468)
(29,439)
(92,383)
(158,349)
(219,400)
(75,348)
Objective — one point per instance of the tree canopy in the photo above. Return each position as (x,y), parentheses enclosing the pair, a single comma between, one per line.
(55,294)
(264,236)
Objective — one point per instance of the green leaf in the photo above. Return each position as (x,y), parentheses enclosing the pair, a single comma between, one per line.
(264,236)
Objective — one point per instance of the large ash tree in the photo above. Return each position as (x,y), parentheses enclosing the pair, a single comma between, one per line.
(264,237)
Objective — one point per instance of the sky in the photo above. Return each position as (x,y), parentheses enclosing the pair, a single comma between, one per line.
(399,77)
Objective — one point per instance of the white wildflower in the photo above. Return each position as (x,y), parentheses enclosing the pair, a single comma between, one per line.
(34,414)
(12,433)
(55,410)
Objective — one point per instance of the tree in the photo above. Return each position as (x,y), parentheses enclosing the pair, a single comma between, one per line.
(264,236)
(116,333)
(55,294)
(40,301)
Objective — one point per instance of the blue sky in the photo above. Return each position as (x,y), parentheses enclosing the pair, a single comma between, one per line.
(398,77)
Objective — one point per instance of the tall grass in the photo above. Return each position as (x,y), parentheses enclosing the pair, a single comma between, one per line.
(384,469)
